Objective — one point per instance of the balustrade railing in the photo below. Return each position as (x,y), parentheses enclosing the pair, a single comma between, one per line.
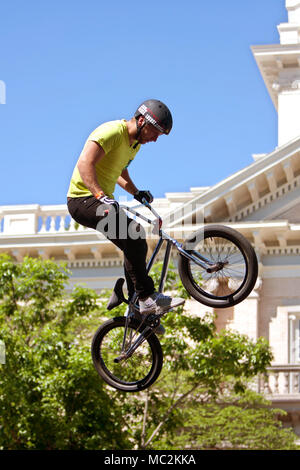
(49,223)
(281,380)
(36,219)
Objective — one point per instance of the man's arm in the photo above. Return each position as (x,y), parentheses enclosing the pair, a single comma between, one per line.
(92,154)
(126,182)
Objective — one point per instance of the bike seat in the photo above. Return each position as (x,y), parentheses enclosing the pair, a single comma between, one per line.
(117,296)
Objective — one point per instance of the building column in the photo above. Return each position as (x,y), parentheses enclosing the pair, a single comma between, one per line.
(245,319)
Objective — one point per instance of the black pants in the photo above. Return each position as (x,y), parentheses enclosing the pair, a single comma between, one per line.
(124,232)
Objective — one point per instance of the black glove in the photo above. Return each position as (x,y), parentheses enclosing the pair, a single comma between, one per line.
(140,195)
(109,202)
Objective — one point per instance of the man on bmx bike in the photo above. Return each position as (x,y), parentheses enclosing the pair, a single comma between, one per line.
(103,162)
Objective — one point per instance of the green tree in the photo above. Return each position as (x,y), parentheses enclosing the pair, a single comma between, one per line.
(238,421)
(50,396)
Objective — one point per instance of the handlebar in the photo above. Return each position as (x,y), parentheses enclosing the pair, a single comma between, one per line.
(148,205)
(157,222)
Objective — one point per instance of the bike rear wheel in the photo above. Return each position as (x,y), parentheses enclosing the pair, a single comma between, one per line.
(238,271)
(135,373)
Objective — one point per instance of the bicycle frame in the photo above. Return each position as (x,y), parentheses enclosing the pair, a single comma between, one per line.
(196,257)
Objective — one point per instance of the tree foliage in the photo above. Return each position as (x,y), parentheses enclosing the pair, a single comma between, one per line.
(52,398)
(238,421)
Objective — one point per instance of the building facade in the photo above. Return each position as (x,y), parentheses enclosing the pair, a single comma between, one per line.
(262,201)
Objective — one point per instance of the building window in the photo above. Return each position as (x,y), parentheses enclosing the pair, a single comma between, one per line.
(294,338)
(297,341)
(294,347)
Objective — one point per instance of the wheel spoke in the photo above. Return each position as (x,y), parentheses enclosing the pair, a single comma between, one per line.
(227,280)
(230,267)
(129,370)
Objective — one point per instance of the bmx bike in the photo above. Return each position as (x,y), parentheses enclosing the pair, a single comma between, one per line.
(218,268)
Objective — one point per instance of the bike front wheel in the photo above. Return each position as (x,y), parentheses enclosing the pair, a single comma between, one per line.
(236,276)
(135,373)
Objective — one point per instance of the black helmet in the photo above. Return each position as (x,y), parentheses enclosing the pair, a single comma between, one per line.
(157,113)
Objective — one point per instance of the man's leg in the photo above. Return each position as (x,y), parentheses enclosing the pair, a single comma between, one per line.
(133,243)
(124,232)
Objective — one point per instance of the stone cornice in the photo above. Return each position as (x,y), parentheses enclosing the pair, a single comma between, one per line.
(246,177)
(266,200)
(279,67)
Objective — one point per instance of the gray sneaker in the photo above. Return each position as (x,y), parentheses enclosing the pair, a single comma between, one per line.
(159,303)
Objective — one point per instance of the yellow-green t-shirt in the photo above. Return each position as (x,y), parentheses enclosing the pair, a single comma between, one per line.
(113,138)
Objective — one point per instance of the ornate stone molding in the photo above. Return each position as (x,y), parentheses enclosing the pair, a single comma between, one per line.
(266,199)
(286,85)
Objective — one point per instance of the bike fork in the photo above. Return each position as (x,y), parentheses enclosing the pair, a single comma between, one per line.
(127,354)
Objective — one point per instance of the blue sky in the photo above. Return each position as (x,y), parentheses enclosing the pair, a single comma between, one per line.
(70,65)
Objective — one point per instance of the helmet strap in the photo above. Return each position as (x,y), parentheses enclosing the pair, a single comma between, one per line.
(138,132)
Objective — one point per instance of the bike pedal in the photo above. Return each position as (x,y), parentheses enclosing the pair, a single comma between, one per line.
(152,320)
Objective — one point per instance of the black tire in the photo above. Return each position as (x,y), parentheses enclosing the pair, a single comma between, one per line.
(135,373)
(234,282)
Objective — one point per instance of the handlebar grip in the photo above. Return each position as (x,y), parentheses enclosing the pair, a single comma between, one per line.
(145,202)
